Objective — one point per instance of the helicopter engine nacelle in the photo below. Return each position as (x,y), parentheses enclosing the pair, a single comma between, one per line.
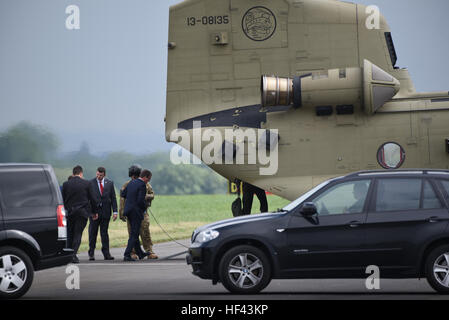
(369,87)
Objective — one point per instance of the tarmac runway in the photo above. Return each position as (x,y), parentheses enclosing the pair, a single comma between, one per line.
(171,279)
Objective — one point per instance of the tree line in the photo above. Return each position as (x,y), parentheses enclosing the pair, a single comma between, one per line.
(26,142)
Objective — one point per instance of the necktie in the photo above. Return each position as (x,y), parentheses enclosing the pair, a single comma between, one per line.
(101,187)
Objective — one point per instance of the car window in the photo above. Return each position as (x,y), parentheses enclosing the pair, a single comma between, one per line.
(307,195)
(344,198)
(430,199)
(398,194)
(25,189)
(445,184)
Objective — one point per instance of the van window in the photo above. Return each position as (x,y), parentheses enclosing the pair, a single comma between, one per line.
(398,194)
(25,189)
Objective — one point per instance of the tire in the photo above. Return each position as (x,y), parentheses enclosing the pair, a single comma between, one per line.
(251,277)
(437,269)
(16,273)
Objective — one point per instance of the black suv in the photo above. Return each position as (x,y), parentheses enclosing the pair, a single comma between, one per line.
(32,226)
(396,220)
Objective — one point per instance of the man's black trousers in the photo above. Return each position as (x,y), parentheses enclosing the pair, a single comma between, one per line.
(75,228)
(248,195)
(103,224)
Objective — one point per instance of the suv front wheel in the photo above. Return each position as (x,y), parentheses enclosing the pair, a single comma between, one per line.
(16,273)
(437,269)
(245,270)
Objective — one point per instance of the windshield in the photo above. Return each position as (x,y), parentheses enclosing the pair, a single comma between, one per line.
(302,198)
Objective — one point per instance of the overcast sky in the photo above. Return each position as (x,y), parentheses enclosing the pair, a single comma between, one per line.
(105,83)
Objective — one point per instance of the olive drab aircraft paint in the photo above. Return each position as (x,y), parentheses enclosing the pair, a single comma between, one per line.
(310,69)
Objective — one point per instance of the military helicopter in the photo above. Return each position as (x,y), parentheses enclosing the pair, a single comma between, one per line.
(312,70)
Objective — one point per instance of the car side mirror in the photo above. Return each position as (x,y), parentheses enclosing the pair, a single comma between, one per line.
(308,209)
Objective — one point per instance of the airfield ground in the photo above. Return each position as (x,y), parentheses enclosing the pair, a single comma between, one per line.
(170,278)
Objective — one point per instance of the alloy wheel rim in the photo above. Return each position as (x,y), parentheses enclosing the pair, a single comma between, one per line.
(245,270)
(13,273)
(441,269)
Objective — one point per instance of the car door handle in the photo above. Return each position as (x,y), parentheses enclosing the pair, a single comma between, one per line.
(434,219)
(355,224)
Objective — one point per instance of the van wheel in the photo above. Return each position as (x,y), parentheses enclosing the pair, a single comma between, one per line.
(437,269)
(16,273)
(245,270)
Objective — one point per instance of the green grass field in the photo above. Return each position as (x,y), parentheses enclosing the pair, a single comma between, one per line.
(179,216)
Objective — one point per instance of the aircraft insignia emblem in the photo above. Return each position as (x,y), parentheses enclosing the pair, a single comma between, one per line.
(259,23)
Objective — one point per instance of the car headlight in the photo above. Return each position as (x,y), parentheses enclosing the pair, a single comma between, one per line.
(207,235)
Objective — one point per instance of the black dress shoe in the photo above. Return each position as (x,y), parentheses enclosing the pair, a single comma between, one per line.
(91,258)
(128,259)
(75,259)
(109,258)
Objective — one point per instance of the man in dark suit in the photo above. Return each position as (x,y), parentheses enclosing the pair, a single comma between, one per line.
(104,192)
(135,207)
(80,204)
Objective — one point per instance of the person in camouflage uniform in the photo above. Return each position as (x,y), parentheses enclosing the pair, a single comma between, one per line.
(145,235)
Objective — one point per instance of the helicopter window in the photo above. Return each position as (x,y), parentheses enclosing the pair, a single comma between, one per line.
(391,156)
(344,198)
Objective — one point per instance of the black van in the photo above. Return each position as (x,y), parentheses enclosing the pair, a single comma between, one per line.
(33,230)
